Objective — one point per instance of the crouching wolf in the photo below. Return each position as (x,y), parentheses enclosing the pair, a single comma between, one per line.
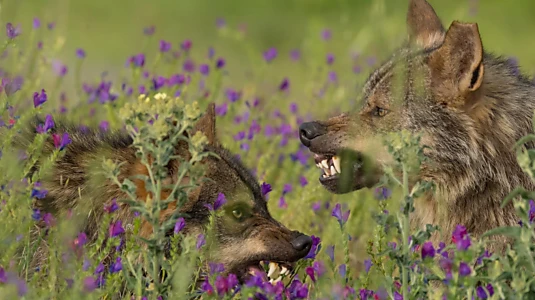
(470,107)
(245,233)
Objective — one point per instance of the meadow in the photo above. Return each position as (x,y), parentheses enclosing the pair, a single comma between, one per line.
(268,66)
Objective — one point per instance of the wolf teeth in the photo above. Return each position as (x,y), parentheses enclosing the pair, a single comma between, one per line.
(336,163)
(272,268)
(325,164)
(284,270)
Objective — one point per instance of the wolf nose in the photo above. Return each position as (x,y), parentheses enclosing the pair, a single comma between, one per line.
(310,130)
(302,243)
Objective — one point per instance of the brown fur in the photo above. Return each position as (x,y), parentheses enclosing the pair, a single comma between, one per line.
(471,107)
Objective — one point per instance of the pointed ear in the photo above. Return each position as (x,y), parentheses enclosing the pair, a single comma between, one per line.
(206,124)
(459,61)
(424,26)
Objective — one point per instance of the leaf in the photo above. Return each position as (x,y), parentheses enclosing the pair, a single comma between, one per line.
(509,231)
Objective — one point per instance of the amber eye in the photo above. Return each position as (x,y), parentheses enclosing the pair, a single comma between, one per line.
(380,112)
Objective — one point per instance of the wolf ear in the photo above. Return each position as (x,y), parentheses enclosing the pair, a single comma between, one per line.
(206,124)
(424,26)
(460,58)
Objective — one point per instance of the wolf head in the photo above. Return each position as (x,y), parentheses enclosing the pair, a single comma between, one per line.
(469,105)
(246,233)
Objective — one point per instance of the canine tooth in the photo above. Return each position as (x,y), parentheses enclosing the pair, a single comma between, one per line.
(272,268)
(336,163)
(327,172)
(284,270)
(333,170)
(318,165)
(325,164)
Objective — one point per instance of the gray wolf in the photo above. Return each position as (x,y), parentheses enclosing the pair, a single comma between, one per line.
(470,106)
(246,234)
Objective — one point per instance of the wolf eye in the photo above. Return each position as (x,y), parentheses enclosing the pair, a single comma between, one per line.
(237,213)
(379,111)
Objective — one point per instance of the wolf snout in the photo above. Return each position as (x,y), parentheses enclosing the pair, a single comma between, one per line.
(310,130)
(302,243)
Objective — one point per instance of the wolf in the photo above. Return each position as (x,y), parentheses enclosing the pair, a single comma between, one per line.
(470,107)
(246,234)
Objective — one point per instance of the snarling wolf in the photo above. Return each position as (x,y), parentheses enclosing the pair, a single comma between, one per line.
(246,234)
(470,107)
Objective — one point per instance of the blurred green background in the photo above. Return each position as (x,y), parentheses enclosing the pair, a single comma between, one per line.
(110,30)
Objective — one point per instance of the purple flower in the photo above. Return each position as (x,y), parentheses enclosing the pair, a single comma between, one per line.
(333,77)
(342,270)
(220,23)
(265,188)
(90,284)
(207,287)
(59,68)
(80,240)
(365,294)
(204,69)
(367,265)
(295,54)
(116,266)
(531,211)
(239,136)
(211,52)
(104,125)
(298,290)
(382,193)
(37,192)
(49,220)
(303,181)
(337,213)
(282,203)
(357,69)
(201,240)
(461,238)
(158,82)
(49,124)
(112,207)
(189,66)
(244,146)
(222,109)
(286,189)
(36,215)
(270,54)
(179,225)
(137,60)
(11,31)
(36,23)
(285,84)
(428,250)
(330,59)
(484,293)
(233,95)
(80,53)
(220,63)
(164,46)
(310,272)
(330,252)
(293,108)
(326,34)
(60,142)
(149,30)
(116,228)
(39,98)
(186,45)
(398,296)
(220,201)
(464,269)
(314,248)
(51,25)
(11,86)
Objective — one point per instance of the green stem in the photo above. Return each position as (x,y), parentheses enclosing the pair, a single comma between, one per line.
(405,234)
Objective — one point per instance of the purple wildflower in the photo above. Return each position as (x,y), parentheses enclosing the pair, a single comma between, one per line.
(285,84)
(36,215)
(382,193)
(164,46)
(49,220)
(357,69)
(49,124)
(36,23)
(464,269)
(293,108)
(233,95)
(531,211)
(220,23)
(104,125)
(137,60)
(207,287)
(222,109)
(333,77)
(158,82)
(80,53)
(11,31)
(179,225)
(286,189)
(282,203)
(116,266)
(342,270)
(330,252)
(60,142)
(116,228)
(428,250)
(367,265)
(189,66)
(11,86)
(295,54)
(112,207)
(337,213)
(461,238)
(220,63)
(326,34)
(51,25)
(330,59)
(201,240)
(80,240)
(265,188)
(270,54)
(39,98)
(211,52)
(484,293)
(303,181)
(314,248)
(220,201)
(59,68)
(90,284)
(204,69)
(186,45)
(298,290)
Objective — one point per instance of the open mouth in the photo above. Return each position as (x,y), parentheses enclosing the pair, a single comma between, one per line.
(270,271)
(329,164)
